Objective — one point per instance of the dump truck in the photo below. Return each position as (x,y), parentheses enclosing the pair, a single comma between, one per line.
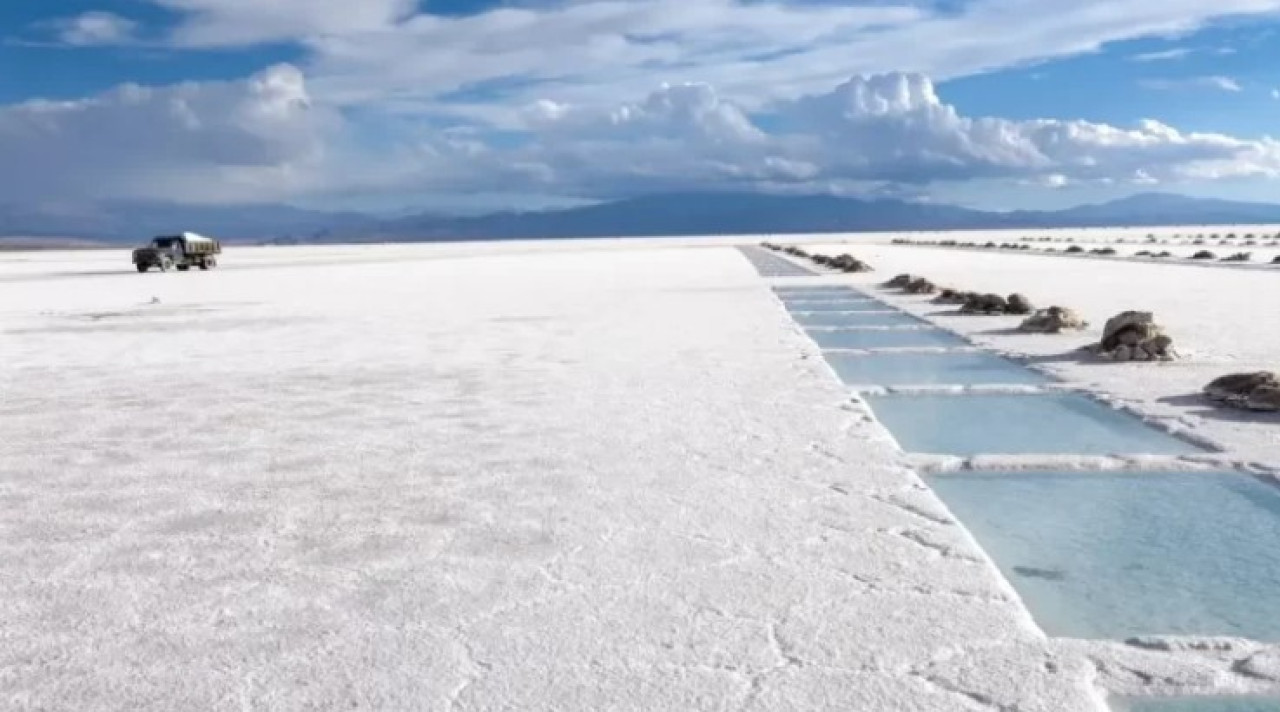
(182,252)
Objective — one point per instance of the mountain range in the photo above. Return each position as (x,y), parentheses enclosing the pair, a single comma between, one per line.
(669,214)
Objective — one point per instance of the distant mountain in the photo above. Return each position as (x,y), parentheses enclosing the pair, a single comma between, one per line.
(1152,209)
(686,214)
(137,221)
(751,213)
(670,214)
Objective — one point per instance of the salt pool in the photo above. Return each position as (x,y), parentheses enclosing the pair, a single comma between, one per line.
(879,317)
(840,305)
(1051,423)
(771,265)
(1114,555)
(903,369)
(883,338)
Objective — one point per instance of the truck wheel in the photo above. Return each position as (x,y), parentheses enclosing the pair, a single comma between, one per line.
(212,261)
(204,264)
(142,268)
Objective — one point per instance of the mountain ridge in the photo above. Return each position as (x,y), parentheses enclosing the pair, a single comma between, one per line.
(686,214)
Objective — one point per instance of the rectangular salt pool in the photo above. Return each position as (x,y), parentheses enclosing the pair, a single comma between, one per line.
(1198,704)
(1042,424)
(1114,555)
(919,369)
(873,318)
(885,338)
(830,291)
(768,264)
(836,306)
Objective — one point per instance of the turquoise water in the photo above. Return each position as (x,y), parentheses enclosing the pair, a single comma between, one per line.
(812,293)
(811,288)
(1199,704)
(768,264)
(973,424)
(915,369)
(855,319)
(897,339)
(836,306)
(1113,555)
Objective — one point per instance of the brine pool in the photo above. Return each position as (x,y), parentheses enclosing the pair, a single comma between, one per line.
(1121,554)
(1017,424)
(919,369)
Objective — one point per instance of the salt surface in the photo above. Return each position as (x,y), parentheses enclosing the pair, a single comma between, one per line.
(586,475)
(1200,704)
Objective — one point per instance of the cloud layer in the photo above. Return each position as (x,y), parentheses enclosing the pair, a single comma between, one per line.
(263,138)
(606,97)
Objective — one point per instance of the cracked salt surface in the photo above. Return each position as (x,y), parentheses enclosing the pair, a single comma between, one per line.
(1200,704)
(450,477)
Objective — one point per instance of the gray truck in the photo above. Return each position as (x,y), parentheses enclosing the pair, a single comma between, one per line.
(181,252)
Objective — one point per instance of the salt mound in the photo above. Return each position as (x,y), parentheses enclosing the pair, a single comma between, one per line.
(1053,320)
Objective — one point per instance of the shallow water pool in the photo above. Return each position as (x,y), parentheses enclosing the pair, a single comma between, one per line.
(1113,555)
(867,317)
(836,305)
(885,339)
(919,369)
(768,264)
(1050,423)
(814,291)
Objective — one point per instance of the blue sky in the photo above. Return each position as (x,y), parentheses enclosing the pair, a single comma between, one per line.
(394,104)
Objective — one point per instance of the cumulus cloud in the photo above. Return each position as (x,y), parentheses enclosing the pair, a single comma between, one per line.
(888,129)
(258,137)
(265,138)
(95,28)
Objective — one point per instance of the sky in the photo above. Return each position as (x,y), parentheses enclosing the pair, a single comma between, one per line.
(398,105)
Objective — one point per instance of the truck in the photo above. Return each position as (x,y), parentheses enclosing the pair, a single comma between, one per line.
(182,251)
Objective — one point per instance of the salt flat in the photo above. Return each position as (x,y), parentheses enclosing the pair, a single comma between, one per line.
(568,476)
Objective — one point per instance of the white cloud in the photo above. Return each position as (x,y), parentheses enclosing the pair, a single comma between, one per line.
(888,129)
(1275,94)
(95,28)
(1162,56)
(264,138)
(226,23)
(487,66)
(1216,83)
(215,141)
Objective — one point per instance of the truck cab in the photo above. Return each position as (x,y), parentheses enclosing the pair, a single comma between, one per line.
(182,251)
